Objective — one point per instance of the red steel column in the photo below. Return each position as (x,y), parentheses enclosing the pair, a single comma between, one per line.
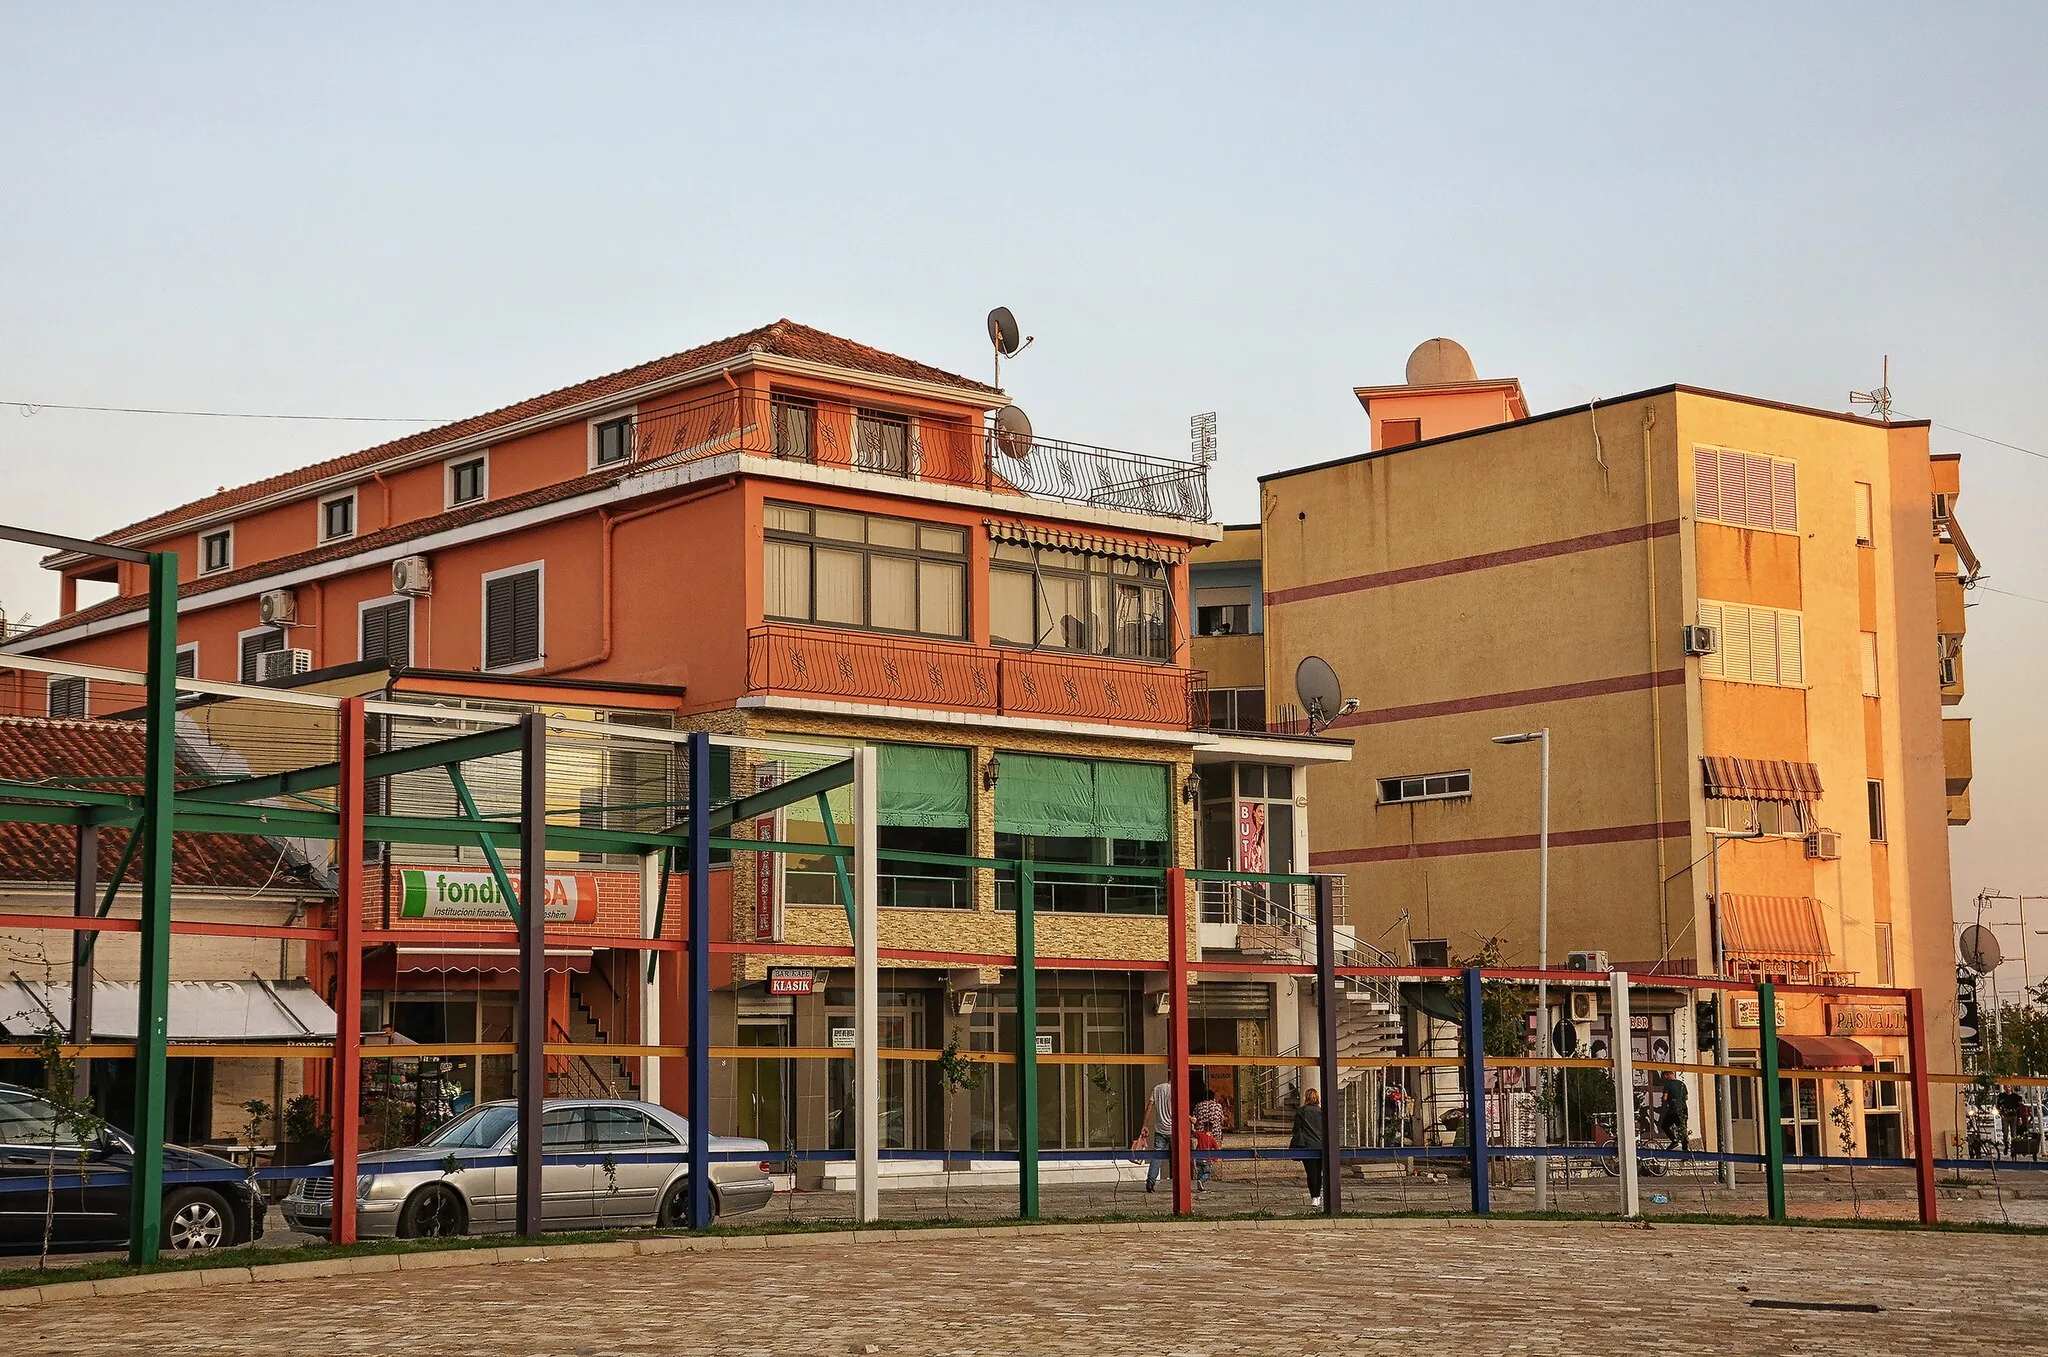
(348,965)
(1181,1158)
(1923,1130)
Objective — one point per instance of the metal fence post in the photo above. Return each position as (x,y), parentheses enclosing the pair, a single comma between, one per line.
(1624,1093)
(1027,1045)
(1771,1132)
(85,905)
(1923,1132)
(533,968)
(350,802)
(152,1030)
(1326,1016)
(1180,1157)
(697,1206)
(1475,1097)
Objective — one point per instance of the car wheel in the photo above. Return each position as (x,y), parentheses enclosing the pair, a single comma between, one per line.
(433,1212)
(196,1220)
(675,1207)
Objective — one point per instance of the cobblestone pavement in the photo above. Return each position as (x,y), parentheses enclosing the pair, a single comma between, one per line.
(1526,1287)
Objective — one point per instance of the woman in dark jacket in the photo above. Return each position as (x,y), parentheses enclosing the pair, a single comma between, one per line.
(1308,1135)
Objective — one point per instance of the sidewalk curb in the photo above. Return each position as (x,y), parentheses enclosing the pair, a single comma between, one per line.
(320,1268)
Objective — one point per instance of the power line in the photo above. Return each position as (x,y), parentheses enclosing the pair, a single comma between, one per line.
(2007,593)
(1986,438)
(28,408)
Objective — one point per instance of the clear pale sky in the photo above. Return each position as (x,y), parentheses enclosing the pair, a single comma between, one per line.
(430,211)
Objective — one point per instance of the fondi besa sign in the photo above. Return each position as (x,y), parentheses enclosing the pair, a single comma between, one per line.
(470,894)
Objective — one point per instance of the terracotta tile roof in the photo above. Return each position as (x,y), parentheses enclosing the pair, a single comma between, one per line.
(785,338)
(35,749)
(335,551)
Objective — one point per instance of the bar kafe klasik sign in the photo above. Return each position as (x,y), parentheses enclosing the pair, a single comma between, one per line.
(571,897)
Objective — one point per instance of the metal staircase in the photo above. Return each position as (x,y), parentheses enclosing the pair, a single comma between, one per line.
(582,1076)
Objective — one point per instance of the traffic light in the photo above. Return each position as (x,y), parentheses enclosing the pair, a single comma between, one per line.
(1706,1022)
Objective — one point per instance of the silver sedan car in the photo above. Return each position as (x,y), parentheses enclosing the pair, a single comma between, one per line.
(642,1179)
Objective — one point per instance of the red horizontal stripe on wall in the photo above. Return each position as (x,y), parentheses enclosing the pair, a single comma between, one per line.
(1512,843)
(1540,551)
(1525,697)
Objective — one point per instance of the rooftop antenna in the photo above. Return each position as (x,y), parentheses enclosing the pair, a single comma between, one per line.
(1880,400)
(1202,439)
(1009,340)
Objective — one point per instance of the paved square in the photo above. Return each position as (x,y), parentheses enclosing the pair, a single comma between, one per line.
(1361,1286)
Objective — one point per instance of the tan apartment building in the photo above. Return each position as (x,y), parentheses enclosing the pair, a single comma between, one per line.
(1734,617)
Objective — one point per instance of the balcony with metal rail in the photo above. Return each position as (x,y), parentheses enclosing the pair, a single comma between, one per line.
(961,452)
(843,666)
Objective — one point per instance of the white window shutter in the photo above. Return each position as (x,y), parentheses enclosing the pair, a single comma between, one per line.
(1735,643)
(1791,650)
(1706,483)
(1756,491)
(1713,666)
(1784,496)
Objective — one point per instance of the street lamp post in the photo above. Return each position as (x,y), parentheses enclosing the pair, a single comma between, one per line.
(1542,962)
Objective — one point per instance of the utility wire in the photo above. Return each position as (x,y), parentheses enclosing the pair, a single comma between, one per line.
(28,408)
(2000,442)
(2007,593)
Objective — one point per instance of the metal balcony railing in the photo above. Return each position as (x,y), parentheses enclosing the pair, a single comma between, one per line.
(948,452)
(917,672)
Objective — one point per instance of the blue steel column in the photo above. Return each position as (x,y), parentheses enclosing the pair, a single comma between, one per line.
(699,1212)
(533,968)
(1326,1020)
(1475,1082)
(152,1030)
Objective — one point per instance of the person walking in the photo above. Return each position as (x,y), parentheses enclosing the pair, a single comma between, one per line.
(1308,1135)
(1209,1119)
(1159,1123)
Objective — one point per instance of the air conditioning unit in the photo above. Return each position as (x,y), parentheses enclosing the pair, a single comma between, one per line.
(279,664)
(1585,1005)
(1949,671)
(1824,845)
(1702,640)
(1586,961)
(412,576)
(278,608)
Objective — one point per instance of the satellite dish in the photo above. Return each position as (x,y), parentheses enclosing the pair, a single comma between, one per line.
(1981,952)
(1315,683)
(1004,333)
(1012,433)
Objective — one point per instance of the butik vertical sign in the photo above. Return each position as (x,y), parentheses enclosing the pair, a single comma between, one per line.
(1251,836)
(768,866)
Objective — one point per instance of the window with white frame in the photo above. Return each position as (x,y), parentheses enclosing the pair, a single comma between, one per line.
(469,479)
(338,517)
(217,551)
(881,442)
(1757,645)
(1237,709)
(255,645)
(188,660)
(1223,611)
(1052,599)
(1742,815)
(1866,518)
(1745,489)
(512,618)
(386,633)
(1425,787)
(1868,655)
(68,695)
(612,441)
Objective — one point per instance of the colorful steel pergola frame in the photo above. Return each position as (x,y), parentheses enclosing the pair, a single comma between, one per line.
(247,806)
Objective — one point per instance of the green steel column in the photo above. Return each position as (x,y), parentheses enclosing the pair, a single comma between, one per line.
(1770,1132)
(152,1025)
(1027,1047)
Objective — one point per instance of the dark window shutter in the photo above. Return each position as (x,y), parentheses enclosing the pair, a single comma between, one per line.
(188,664)
(387,634)
(512,620)
(67,696)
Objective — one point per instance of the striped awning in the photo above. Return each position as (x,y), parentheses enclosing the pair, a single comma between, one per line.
(1093,544)
(1773,928)
(1761,779)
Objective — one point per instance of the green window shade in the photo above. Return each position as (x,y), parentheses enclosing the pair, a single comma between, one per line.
(1130,801)
(1052,797)
(924,787)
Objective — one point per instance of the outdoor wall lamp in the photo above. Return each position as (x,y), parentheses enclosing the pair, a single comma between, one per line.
(991,773)
(1191,788)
